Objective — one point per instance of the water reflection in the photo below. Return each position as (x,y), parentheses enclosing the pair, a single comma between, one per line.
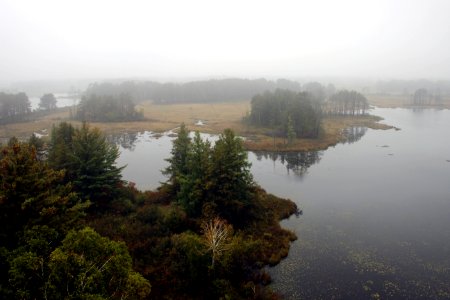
(353,134)
(125,140)
(296,162)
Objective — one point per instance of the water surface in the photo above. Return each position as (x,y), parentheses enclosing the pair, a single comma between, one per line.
(376,210)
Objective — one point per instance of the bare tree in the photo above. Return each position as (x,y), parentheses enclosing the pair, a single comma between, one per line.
(216,232)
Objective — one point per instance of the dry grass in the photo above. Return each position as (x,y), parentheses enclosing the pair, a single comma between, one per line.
(217,117)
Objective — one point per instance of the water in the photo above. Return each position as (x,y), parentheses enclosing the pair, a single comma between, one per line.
(375,220)
(62,100)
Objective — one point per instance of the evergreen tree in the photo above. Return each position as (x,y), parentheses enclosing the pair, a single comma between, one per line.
(193,185)
(231,181)
(89,266)
(89,160)
(92,165)
(33,194)
(178,166)
(61,146)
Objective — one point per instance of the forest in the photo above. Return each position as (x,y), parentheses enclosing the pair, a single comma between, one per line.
(107,108)
(191,92)
(14,107)
(72,228)
(290,114)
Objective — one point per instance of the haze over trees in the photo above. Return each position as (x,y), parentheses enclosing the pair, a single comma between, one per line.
(107,108)
(286,112)
(219,90)
(14,107)
(347,103)
(48,102)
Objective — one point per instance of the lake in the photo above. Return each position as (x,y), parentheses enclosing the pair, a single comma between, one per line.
(62,100)
(376,209)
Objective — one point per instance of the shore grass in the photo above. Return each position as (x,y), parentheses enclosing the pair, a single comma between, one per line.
(215,116)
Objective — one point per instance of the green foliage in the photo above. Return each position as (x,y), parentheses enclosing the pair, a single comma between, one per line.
(38,144)
(61,146)
(33,194)
(92,163)
(178,166)
(231,182)
(119,108)
(89,160)
(89,265)
(274,109)
(194,184)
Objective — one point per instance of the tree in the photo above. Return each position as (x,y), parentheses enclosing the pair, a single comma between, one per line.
(194,184)
(92,166)
(14,107)
(33,194)
(48,102)
(290,131)
(89,266)
(89,160)
(107,108)
(231,182)
(216,233)
(39,145)
(178,165)
(61,146)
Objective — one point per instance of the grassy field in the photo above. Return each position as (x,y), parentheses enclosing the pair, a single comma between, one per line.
(216,116)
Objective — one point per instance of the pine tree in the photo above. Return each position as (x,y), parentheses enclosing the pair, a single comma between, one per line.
(89,160)
(193,185)
(60,146)
(178,165)
(93,166)
(33,194)
(231,181)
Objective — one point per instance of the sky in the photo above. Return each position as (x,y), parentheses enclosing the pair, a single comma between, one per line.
(62,39)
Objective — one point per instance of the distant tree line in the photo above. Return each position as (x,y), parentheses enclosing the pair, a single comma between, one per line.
(423,97)
(408,87)
(288,112)
(14,107)
(346,103)
(196,91)
(107,108)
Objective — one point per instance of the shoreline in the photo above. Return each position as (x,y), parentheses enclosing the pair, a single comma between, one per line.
(214,119)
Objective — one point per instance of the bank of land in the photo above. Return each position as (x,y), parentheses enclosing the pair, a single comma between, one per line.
(215,117)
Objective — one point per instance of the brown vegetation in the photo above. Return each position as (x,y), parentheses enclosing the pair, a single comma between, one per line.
(216,117)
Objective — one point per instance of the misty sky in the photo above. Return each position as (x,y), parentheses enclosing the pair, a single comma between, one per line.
(102,38)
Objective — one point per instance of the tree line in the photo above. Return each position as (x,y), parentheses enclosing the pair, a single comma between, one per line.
(288,112)
(191,92)
(14,107)
(71,228)
(346,103)
(107,108)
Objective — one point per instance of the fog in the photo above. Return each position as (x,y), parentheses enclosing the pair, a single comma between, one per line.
(48,39)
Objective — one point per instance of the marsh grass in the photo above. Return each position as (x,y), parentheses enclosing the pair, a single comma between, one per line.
(215,116)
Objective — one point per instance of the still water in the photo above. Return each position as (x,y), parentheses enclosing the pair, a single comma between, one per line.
(376,209)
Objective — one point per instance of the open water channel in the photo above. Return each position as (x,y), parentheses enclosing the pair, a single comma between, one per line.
(376,209)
